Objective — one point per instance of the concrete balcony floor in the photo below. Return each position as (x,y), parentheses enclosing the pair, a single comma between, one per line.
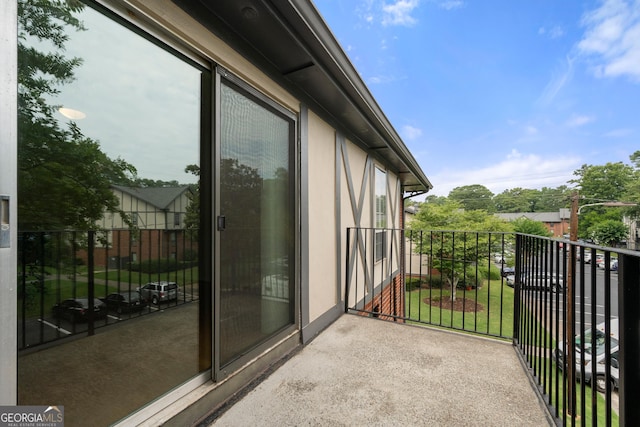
(364,371)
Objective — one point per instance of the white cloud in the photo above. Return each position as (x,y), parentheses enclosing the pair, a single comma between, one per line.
(578,120)
(618,133)
(531,130)
(557,82)
(515,170)
(451,4)
(399,13)
(411,133)
(554,32)
(612,38)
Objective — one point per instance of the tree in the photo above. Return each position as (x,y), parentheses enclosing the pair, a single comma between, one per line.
(433,199)
(64,177)
(442,228)
(602,183)
(608,232)
(192,214)
(473,197)
(528,226)
(632,192)
(515,200)
(553,199)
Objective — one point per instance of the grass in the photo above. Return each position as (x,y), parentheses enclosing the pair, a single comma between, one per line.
(495,317)
(587,416)
(56,291)
(182,277)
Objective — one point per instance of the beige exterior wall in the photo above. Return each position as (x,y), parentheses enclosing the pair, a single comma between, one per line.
(322,217)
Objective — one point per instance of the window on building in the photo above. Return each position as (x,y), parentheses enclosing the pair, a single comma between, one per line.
(381,213)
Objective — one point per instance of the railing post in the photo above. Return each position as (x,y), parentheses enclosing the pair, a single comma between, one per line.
(629,324)
(347,274)
(90,277)
(516,288)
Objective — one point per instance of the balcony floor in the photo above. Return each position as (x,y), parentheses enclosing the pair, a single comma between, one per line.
(363,371)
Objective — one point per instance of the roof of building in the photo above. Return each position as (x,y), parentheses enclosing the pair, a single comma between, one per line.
(548,217)
(292,44)
(160,197)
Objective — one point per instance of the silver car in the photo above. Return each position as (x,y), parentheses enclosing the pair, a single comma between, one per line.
(158,292)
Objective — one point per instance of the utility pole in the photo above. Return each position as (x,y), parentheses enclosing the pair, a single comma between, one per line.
(570,368)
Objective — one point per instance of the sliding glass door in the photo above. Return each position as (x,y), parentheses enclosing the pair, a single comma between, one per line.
(255,220)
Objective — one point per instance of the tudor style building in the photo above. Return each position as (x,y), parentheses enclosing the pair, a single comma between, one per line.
(292,149)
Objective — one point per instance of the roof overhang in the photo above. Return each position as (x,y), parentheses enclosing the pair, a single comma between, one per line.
(291,43)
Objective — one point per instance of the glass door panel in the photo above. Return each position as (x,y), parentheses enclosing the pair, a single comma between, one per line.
(256,213)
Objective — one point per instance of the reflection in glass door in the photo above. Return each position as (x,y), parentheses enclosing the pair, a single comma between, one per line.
(256,222)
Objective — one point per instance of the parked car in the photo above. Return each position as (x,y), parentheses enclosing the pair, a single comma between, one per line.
(77,309)
(511,280)
(158,292)
(599,356)
(599,261)
(614,372)
(543,280)
(125,302)
(613,263)
(507,271)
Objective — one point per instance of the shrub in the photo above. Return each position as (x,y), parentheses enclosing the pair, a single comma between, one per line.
(433,281)
(160,265)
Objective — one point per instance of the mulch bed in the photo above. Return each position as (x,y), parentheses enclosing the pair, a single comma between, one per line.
(460,304)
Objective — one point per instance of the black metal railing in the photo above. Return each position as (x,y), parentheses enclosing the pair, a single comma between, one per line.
(536,291)
(59,271)
(590,379)
(451,279)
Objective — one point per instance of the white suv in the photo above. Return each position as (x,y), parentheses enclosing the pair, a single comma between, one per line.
(158,292)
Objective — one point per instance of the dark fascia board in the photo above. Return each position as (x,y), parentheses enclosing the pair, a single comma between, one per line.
(292,44)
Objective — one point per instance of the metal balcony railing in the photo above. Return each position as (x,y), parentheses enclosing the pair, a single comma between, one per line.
(535,291)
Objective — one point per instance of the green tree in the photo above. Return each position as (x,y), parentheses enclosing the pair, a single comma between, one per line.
(192,214)
(602,183)
(473,197)
(515,200)
(63,176)
(433,199)
(553,199)
(632,193)
(608,232)
(529,226)
(453,251)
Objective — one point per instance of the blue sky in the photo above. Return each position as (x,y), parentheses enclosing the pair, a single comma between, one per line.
(501,93)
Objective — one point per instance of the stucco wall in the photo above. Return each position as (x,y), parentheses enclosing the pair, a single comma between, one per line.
(322,218)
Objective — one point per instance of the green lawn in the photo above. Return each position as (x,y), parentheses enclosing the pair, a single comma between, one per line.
(587,416)
(57,291)
(494,315)
(182,277)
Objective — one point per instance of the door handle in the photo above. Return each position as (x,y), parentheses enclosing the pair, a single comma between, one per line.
(222,223)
